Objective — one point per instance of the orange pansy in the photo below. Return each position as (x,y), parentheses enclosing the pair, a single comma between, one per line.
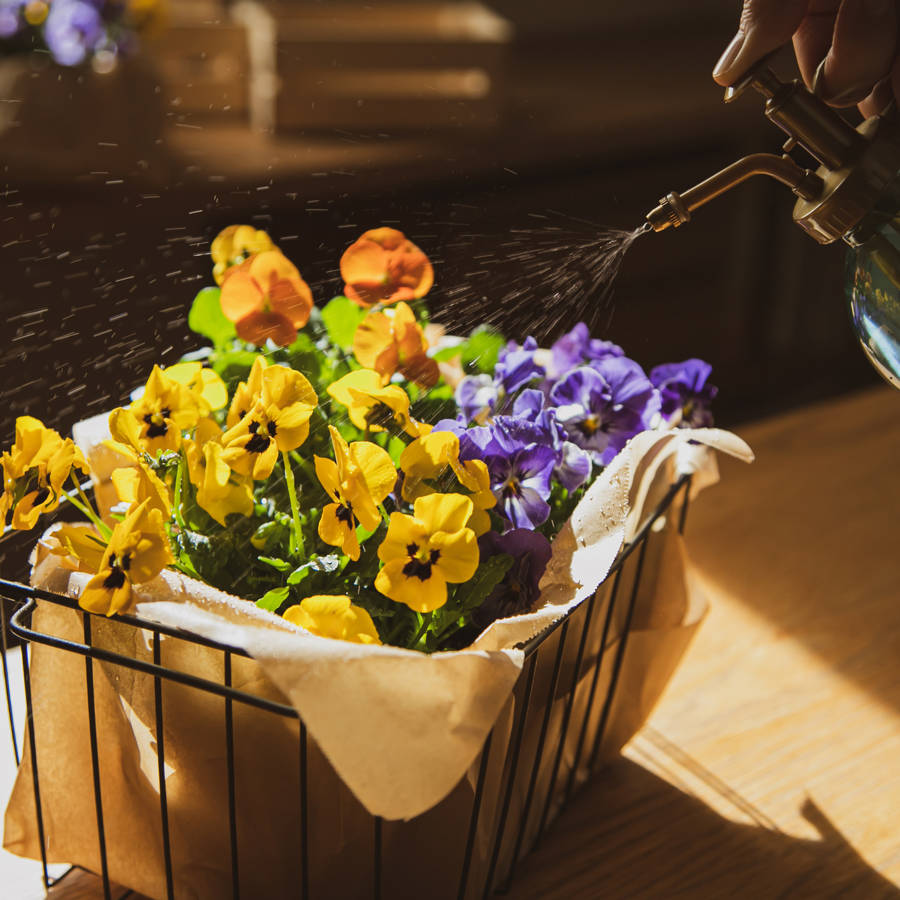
(393,341)
(383,266)
(265,297)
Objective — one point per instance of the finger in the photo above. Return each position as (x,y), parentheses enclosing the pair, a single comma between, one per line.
(878,100)
(862,53)
(813,38)
(765,25)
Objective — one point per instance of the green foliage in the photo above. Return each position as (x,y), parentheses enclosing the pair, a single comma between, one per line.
(273,599)
(341,316)
(480,351)
(207,319)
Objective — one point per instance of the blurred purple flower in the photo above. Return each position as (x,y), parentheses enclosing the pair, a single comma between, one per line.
(684,389)
(516,366)
(10,17)
(519,591)
(476,396)
(73,30)
(577,348)
(602,406)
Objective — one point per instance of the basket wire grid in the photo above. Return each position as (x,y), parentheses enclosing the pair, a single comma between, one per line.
(517,832)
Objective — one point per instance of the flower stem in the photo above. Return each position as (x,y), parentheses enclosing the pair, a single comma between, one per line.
(426,621)
(84,505)
(176,494)
(297,532)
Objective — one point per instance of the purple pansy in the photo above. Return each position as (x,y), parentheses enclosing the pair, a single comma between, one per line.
(578,348)
(520,480)
(476,396)
(602,406)
(516,365)
(573,466)
(519,591)
(684,389)
(73,30)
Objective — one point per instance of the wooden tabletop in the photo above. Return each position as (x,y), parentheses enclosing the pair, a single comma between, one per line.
(771,768)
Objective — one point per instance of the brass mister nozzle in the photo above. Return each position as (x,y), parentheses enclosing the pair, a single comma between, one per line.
(675,209)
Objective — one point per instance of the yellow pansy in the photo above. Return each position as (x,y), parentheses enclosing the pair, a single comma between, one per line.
(246,393)
(34,471)
(361,476)
(220,491)
(137,483)
(235,244)
(207,387)
(160,414)
(334,617)
(80,543)
(423,552)
(138,550)
(427,464)
(277,421)
(391,341)
(373,406)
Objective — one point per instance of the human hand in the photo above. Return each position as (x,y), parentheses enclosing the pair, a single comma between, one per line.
(847,48)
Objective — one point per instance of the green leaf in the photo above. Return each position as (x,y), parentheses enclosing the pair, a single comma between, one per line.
(271,600)
(279,565)
(298,574)
(480,352)
(341,317)
(206,318)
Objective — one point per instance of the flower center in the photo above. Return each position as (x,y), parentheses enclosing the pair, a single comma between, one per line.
(419,567)
(380,415)
(156,423)
(345,514)
(117,570)
(590,426)
(259,442)
(512,486)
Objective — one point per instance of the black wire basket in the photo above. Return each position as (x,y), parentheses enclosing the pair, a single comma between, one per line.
(469,844)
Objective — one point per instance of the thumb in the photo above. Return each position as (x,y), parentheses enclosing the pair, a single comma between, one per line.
(765,26)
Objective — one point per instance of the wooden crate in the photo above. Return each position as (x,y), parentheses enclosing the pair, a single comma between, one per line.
(388,66)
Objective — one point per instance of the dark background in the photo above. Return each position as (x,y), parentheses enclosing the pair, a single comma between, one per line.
(111,188)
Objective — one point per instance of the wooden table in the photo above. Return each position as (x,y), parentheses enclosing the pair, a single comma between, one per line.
(771,767)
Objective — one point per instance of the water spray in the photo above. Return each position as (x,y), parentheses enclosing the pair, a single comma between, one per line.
(853,195)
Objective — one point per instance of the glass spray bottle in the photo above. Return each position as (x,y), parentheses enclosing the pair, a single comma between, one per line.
(854,195)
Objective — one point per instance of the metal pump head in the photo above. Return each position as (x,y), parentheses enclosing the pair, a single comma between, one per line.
(856,165)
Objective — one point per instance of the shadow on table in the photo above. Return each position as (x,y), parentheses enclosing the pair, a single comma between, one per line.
(631,834)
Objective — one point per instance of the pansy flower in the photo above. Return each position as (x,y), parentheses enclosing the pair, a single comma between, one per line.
(685,392)
(266,299)
(516,365)
(220,490)
(383,266)
(278,421)
(207,387)
(138,550)
(424,552)
(154,422)
(578,348)
(136,483)
(393,341)
(477,397)
(431,463)
(246,393)
(358,480)
(334,617)
(236,244)
(603,406)
(373,406)
(519,590)
(34,471)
